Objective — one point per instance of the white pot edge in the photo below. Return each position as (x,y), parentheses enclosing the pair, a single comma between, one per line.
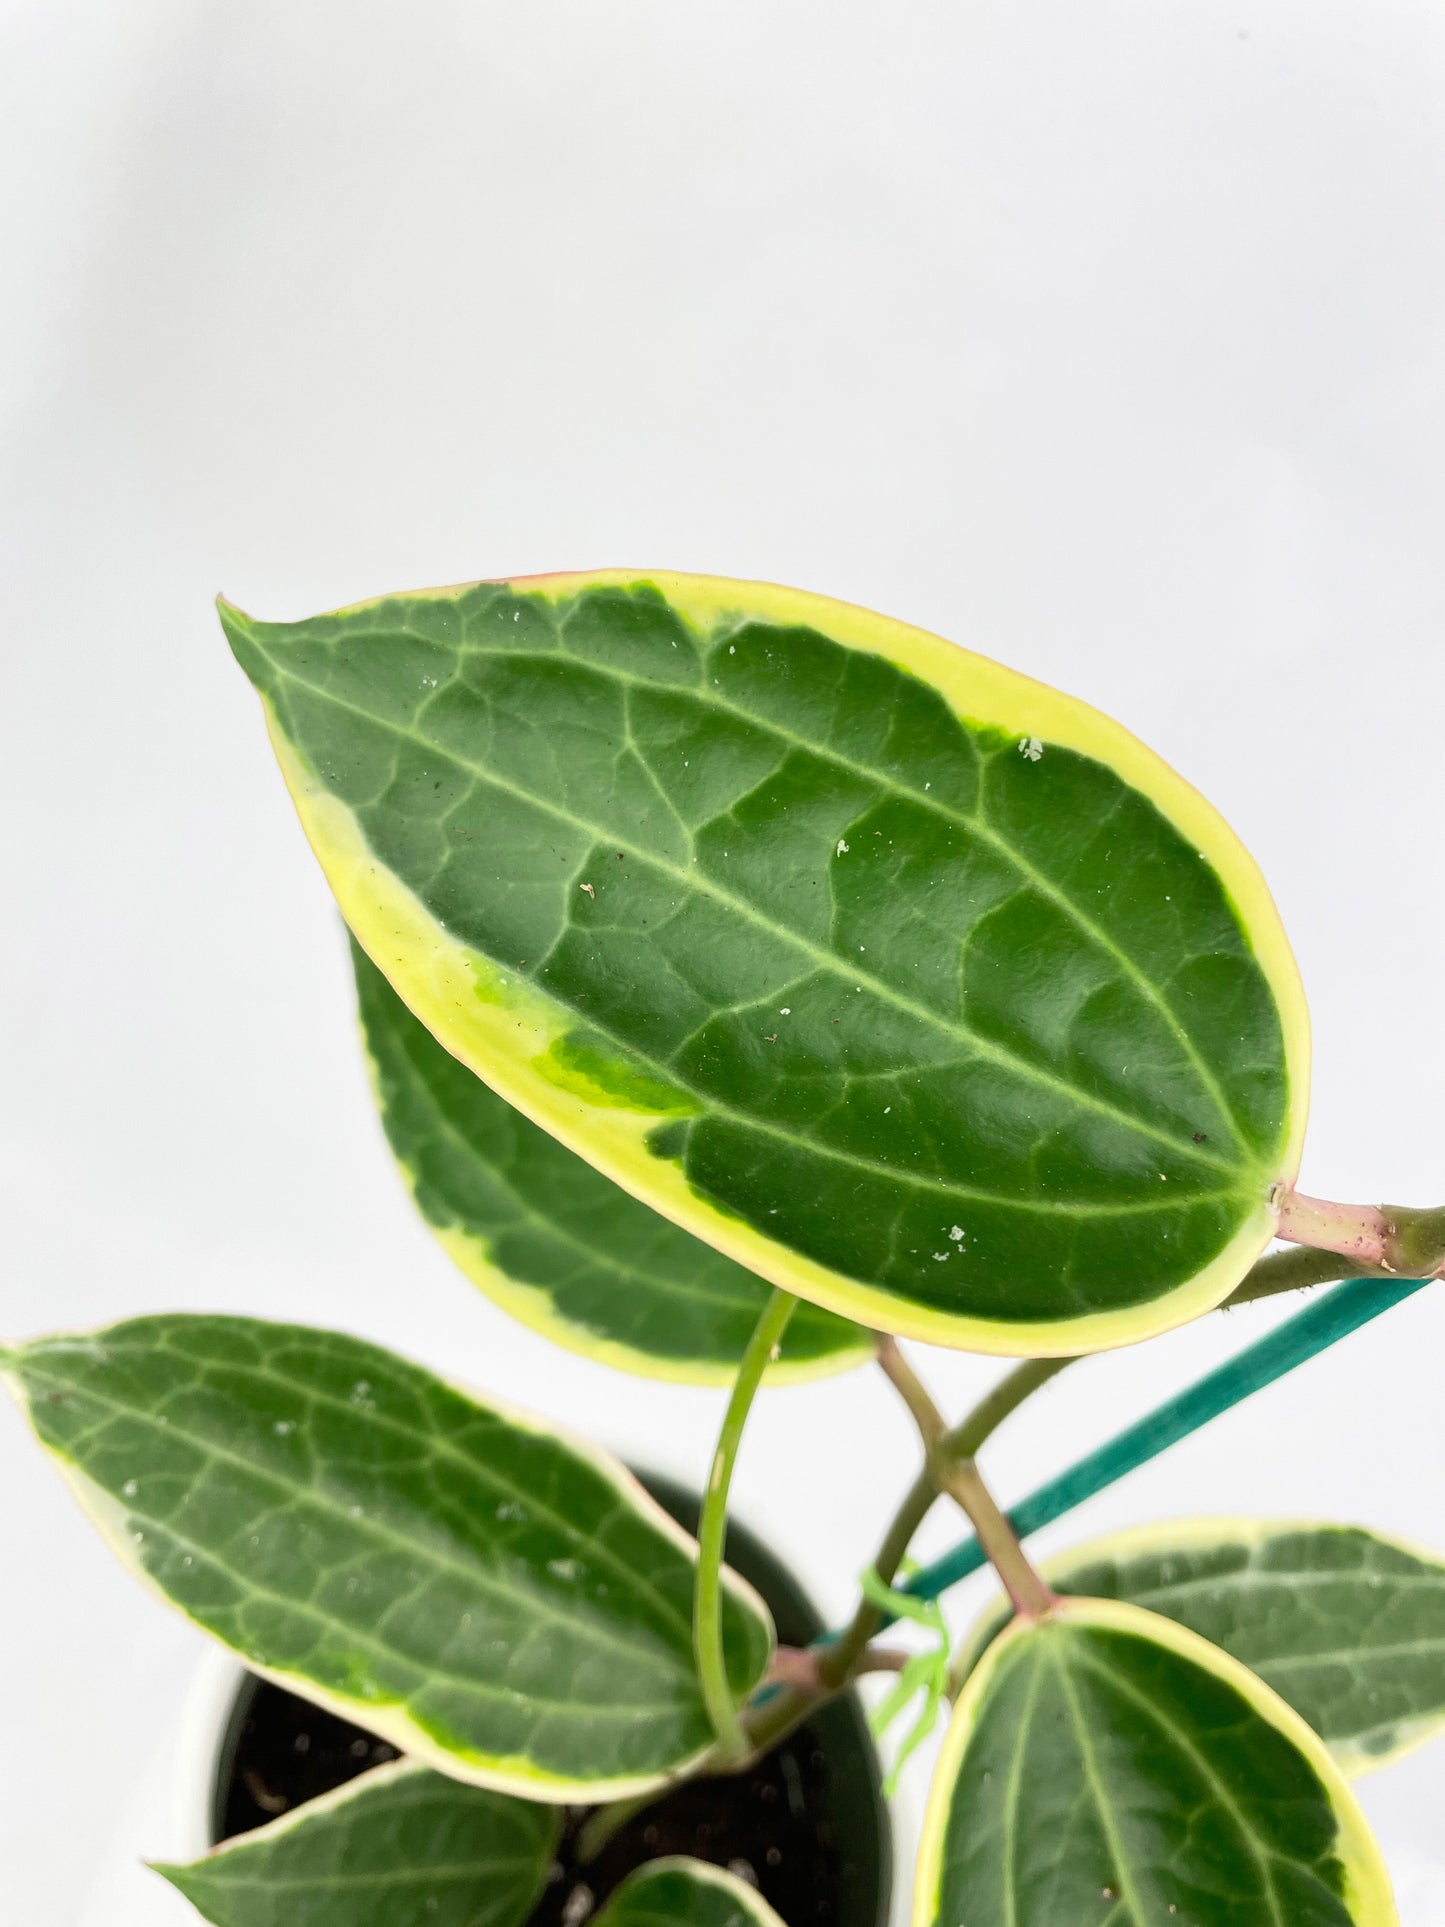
(204,1718)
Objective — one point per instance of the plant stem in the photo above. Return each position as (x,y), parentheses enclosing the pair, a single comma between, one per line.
(966,1438)
(1380,1237)
(911,1389)
(707,1635)
(799,1666)
(1293,1270)
(604,1823)
(957,1473)
(836,1662)
(1355,1230)
(963,1482)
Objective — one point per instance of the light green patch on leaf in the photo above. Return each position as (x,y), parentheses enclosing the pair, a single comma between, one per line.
(553,1241)
(496,1599)
(1344,1624)
(680,1892)
(398,1847)
(1107,1768)
(983,1022)
(579,1062)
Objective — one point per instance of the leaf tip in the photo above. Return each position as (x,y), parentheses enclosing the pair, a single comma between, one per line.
(174,1871)
(234,620)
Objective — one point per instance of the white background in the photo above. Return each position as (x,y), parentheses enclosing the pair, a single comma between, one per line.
(1106,338)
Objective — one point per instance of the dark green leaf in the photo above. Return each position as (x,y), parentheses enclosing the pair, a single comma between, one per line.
(923,991)
(685,1893)
(553,1241)
(1349,1627)
(1106,1768)
(494,1598)
(399,1847)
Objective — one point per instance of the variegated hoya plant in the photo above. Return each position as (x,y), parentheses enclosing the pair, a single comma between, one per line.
(749,983)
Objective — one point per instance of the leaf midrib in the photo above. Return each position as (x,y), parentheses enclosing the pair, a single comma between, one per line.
(1014,1793)
(1256,1580)
(893,785)
(824,960)
(434,1871)
(597,1549)
(1354,1655)
(952,1189)
(1263,1857)
(1123,1869)
(361,1524)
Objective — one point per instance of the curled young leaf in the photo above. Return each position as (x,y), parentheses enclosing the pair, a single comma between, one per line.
(1346,1625)
(923,991)
(554,1242)
(685,1893)
(1107,1768)
(495,1598)
(399,1847)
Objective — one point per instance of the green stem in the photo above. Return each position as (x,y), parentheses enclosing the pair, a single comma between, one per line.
(604,1823)
(707,1636)
(966,1438)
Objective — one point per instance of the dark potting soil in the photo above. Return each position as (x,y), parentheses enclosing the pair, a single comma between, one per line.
(807,1824)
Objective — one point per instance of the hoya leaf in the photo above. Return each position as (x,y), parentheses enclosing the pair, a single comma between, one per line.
(1106,1766)
(685,1893)
(1346,1625)
(399,1847)
(495,1598)
(553,1241)
(923,991)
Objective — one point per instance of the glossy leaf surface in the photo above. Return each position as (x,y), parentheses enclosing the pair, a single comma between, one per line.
(685,1893)
(553,1241)
(495,1599)
(1347,1626)
(1106,1766)
(399,1847)
(922,990)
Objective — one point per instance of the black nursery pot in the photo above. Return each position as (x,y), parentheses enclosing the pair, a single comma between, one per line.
(807,1824)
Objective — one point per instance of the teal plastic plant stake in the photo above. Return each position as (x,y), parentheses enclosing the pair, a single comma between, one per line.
(1298,1339)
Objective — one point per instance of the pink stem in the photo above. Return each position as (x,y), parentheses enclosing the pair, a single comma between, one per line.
(1358,1231)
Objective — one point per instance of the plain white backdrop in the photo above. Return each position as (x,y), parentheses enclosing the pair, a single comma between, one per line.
(1107,338)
